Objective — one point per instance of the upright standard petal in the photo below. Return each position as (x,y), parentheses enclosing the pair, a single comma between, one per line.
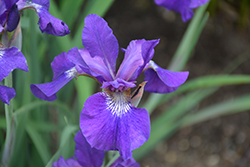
(96,66)
(13,18)
(85,155)
(110,122)
(99,40)
(64,70)
(47,22)
(132,60)
(147,53)
(6,94)
(160,80)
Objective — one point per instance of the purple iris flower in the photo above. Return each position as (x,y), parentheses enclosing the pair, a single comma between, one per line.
(9,16)
(110,119)
(10,59)
(184,7)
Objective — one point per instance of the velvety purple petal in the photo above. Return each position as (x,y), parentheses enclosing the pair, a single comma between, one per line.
(6,94)
(13,18)
(20,4)
(120,162)
(110,122)
(197,3)
(87,156)
(47,91)
(66,163)
(99,40)
(10,59)
(163,81)
(147,52)
(118,84)
(9,3)
(96,65)
(60,64)
(1,28)
(43,3)
(47,22)
(181,6)
(132,59)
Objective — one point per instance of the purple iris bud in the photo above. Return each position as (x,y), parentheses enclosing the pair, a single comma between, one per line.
(110,119)
(184,7)
(10,59)
(9,12)
(84,155)
(47,22)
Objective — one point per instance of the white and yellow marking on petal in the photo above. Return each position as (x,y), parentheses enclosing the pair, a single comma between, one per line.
(118,103)
(71,72)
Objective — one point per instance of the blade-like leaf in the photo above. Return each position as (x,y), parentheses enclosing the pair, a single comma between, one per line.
(39,143)
(224,108)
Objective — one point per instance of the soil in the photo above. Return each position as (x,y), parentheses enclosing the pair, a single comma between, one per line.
(220,142)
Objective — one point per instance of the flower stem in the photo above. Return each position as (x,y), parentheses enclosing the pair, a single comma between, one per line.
(9,140)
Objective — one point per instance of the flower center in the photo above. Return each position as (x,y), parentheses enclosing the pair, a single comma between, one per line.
(118,103)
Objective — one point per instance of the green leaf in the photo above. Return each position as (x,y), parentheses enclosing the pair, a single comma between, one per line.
(85,88)
(70,11)
(224,108)
(189,39)
(39,143)
(68,131)
(2,122)
(28,107)
(206,82)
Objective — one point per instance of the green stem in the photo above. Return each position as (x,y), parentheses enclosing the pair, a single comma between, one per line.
(9,126)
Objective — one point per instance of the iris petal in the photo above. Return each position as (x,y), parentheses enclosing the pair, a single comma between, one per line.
(6,94)
(96,65)
(147,53)
(163,81)
(99,40)
(10,59)
(87,156)
(182,6)
(47,91)
(197,3)
(60,64)
(13,18)
(66,163)
(132,59)
(120,162)
(115,121)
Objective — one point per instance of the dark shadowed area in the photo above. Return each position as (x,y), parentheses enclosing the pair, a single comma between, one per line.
(221,142)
